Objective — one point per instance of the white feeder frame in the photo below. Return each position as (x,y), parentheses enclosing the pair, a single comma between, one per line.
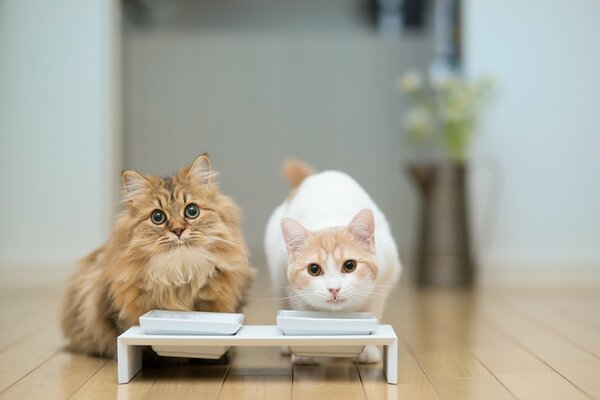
(131,342)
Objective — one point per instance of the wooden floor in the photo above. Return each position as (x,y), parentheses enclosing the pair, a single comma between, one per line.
(486,344)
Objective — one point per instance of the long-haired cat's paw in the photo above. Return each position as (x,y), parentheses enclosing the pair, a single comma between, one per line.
(304,360)
(371,354)
(285,350)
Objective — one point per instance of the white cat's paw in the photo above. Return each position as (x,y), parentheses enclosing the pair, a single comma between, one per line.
(304,360)
(285,350)
(371,354)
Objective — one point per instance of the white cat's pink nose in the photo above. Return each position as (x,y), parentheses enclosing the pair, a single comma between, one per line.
(334,291)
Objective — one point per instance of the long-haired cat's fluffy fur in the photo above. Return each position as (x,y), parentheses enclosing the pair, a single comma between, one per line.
(330,247)
(176,245)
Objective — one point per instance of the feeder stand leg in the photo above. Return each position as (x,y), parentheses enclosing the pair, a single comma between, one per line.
(390,362)
(129,361)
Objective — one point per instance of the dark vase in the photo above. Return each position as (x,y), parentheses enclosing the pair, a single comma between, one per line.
(443,246)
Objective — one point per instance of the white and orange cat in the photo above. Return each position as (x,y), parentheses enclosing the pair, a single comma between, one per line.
(330,247)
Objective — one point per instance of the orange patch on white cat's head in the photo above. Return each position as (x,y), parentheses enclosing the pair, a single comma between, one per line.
(335,287)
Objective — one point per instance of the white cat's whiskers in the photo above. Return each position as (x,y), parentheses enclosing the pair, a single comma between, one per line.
(278,298)
(281,287)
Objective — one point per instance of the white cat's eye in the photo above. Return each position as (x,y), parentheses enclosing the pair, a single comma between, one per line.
(158,217)
(192,211)
(314,269)
(349,265)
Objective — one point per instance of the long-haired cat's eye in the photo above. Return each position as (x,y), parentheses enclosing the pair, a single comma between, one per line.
(314,269)
(158,217)
(349,265)
(192,211)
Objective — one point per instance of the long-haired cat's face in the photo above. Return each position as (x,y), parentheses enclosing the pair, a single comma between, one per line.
(177,224)
(334,268)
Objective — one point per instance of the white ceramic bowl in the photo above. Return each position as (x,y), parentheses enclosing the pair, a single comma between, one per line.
(325,323)
(334,351)
(212,353)
(163,322)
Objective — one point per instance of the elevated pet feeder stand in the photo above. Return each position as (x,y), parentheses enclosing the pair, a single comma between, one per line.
(130,344)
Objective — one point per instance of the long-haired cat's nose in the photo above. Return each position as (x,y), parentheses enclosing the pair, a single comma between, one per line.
(334,291)
(177,231)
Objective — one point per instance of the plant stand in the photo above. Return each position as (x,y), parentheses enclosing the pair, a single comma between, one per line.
(443,247)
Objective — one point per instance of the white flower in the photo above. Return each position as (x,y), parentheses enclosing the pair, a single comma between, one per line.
(410,82)
(458,105)
(453,114)
(418,123)
(450,83)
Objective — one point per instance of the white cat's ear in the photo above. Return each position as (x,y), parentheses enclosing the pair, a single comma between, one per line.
(362,228)
(133,183)
(200,171)
(295,235)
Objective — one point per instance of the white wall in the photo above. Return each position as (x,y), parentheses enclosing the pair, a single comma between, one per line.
(252,99)
(58,129)
(59,121)
(544,131)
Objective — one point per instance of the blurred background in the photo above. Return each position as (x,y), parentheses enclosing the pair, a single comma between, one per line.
(90,88)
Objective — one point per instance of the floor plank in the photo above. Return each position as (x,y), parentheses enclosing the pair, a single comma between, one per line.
(27,315)
(188,382)
(501,355)
(57,378)
(540,386)
(29,353)
(257,373)
(254,387)
(479,387)
(337,381)
(582,304)
(585,376)
(438,333)
(540,308)
(412,381)
(260,361)
(548,347)
(103,384)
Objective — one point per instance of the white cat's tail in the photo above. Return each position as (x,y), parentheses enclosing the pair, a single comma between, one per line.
(295,171)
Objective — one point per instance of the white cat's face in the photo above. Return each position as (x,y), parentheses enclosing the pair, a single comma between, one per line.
(333,269)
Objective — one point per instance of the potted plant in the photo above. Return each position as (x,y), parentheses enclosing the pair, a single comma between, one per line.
(440,123)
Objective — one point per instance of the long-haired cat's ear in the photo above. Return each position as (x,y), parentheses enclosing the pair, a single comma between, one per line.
(362,228)
(133,183)
(295,235)
(200,170)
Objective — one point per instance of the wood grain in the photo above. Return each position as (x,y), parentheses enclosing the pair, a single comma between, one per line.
(454,344)
(338,381)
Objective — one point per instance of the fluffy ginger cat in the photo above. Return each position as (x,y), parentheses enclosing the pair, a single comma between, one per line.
(330,248)
(176,245)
